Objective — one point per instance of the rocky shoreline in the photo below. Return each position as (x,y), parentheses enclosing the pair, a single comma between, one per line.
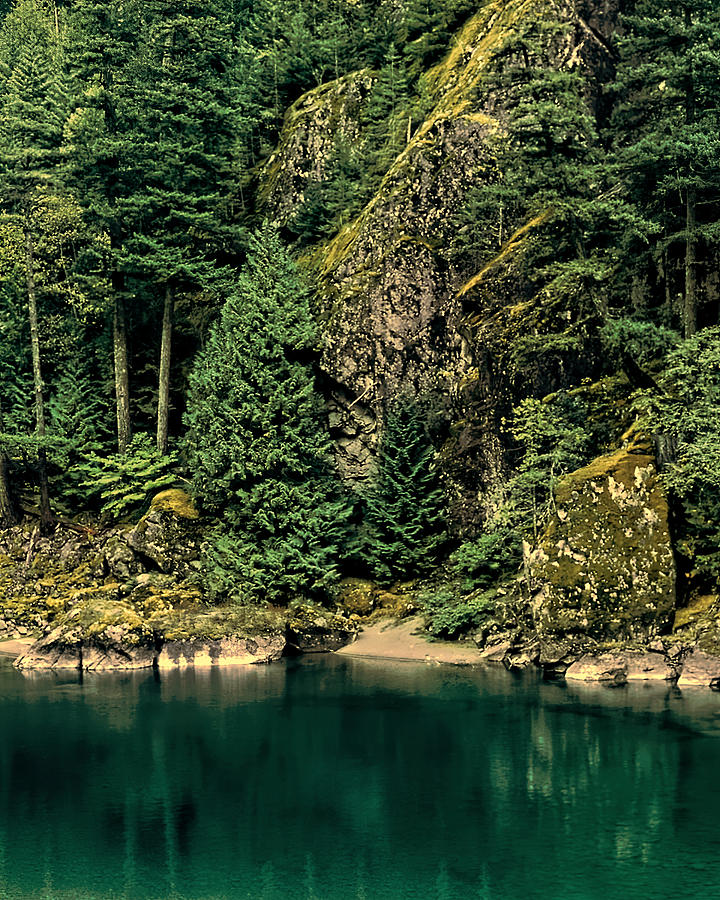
(595,602)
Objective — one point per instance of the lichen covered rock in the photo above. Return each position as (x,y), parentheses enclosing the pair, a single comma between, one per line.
(169,534)
(605,570)
(312,629)
(402,311)
(310,132)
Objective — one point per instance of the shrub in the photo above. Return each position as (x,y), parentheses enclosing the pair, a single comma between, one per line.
(123,484)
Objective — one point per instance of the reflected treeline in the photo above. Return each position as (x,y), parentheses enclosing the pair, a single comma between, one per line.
(331,779)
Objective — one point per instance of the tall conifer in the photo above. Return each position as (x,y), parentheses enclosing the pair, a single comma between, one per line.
(184,156)
(102,41)
(31,118)
(666,127)
(257,442)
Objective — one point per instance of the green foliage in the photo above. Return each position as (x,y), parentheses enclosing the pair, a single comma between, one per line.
(665,140)
(180,151)
(385,116)
(122,485)
(483,562)
(404,528)
(79,435)
(544,156)
(555,438)
(257,443)
(685,415)
(449,614)
(640,339)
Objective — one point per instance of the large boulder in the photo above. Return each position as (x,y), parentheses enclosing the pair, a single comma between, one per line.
(169,535)
(229,651)
(620,666)
(604,569)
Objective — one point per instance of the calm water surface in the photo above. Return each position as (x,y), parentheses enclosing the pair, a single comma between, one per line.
(336,779)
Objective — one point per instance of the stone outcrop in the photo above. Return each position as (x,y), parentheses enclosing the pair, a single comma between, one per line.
(150,623)
(621,666)
(700,670)
(604,570)
(312,128)
(314,630)
(64,648)
(400,310)
(169,535)
(229,651)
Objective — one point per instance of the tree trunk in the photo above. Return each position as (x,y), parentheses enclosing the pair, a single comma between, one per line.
(7,508)
(122,378)
(690,312)
(7,511)
(45,514)
(164,373)
(690,308)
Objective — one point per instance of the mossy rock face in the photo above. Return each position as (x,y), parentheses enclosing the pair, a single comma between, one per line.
(357,596)
(698,623)
(311,128)
(313,629)
(169,535)
(604,569)
(397,316)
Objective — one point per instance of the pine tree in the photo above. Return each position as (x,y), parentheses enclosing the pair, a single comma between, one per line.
(404,524)
(547,147)
(31,117)
(257,444)
(184,154)
(102,51)
(666,129)
(384,118)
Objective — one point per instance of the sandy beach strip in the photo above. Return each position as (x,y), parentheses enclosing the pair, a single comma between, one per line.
(16,647)
(404,640)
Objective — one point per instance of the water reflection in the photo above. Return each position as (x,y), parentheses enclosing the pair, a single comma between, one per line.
(335,778)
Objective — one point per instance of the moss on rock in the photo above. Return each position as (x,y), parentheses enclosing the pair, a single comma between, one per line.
(605,569)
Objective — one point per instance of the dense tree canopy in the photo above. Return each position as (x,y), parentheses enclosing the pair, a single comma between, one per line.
(134,299)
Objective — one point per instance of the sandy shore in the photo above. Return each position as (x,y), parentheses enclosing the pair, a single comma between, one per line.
(404,640)
(15,648)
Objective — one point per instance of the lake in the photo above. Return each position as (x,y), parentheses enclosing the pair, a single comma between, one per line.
(331,778)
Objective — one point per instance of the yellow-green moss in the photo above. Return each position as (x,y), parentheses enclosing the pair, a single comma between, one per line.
(176,501)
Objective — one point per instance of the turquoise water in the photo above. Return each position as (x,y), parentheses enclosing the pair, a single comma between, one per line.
(331,778)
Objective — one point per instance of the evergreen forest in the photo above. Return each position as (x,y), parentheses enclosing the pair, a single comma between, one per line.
(173,280)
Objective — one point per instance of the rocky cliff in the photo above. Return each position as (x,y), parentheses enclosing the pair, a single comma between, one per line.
(400,311)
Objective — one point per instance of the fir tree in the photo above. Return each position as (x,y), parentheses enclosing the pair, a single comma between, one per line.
(666,129)
(404,525)
(384,118)
(102,52)
(31,116)
(257,443)
(183,152)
